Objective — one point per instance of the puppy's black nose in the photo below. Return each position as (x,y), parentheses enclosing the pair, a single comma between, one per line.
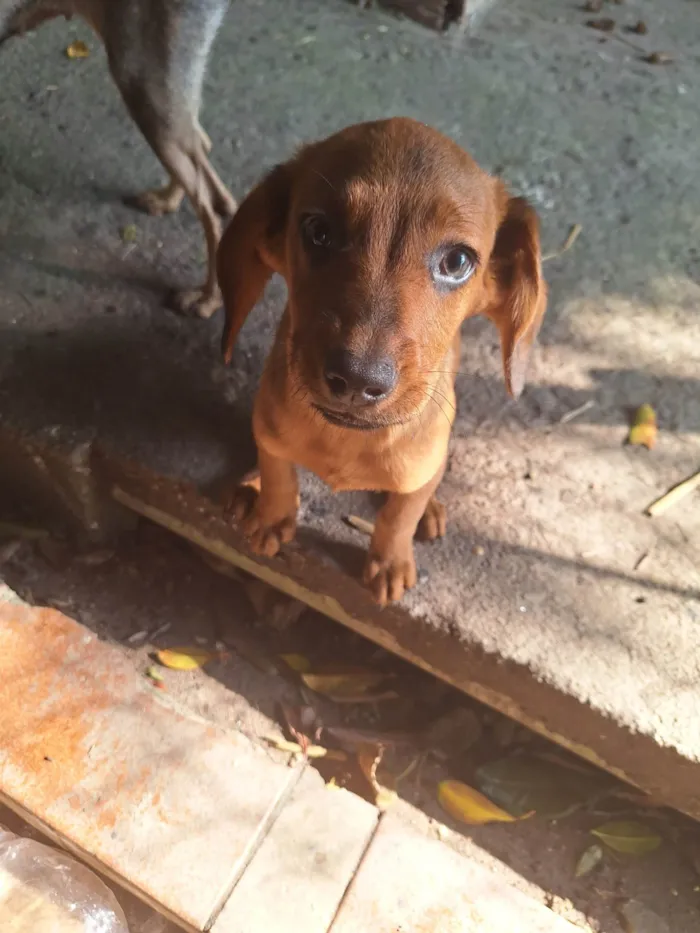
(359,379)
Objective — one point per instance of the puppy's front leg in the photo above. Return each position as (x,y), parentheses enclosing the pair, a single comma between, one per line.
(390,569)
(266,504)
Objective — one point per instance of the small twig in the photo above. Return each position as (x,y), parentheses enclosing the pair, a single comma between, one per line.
(640,560)
(674,495)
(575,412)
(359,524)
(571,238)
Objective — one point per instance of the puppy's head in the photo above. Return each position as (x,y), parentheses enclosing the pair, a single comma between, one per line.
(389,236)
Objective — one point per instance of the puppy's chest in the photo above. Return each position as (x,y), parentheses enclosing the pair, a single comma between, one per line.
(347,460)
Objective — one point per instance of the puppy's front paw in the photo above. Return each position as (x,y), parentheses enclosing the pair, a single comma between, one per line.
(433,524)
(197,302)
(391,572)
(266,525)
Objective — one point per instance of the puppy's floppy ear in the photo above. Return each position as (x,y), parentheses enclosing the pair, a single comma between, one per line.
(251,249)
(517,292)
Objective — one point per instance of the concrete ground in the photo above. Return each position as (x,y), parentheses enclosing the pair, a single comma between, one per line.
(570,581)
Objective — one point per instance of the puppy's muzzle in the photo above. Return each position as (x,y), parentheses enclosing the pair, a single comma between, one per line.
(356,382)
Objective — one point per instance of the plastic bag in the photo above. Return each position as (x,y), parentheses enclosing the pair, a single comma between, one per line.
(43,890)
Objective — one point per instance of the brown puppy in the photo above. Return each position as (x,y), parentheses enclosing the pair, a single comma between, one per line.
(389,236)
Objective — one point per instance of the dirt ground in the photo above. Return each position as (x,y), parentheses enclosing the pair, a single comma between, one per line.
(154,583)
(559,569)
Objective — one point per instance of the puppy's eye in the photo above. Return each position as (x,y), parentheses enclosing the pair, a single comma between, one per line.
(454,265)
(316,231)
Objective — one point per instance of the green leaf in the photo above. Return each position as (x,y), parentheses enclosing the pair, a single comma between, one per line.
(522,784)
(628,837)
(589,860)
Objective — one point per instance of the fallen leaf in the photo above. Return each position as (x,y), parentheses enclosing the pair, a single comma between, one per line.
(130,233)
(185,659)
(155,677)
(593,6)
(524,783)
(589,860)
(644,428)
(637,918)
(346,685)
(78,49)
(628,837)
(310,751)
(369,758)
(469,806)
(605,24)
(658,58)
(640,28)
(297,662)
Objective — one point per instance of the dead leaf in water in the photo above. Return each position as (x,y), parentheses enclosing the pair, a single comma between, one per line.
(644,428)
(589,860)
(628,837)
(185,659)
(78,49)
(471,807)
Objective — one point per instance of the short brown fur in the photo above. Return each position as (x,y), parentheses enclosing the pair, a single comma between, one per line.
(393,194)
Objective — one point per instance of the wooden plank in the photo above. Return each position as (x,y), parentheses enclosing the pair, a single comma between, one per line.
(299,875)
(171,807)
(407,882)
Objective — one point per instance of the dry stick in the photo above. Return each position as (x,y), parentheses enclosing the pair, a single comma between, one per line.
(360,524)
(575,412)
(571,238)
(674,495)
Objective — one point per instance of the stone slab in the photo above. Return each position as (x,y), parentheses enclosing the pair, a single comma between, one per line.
(310,570)
(298,877)
(169,806)
(410,884)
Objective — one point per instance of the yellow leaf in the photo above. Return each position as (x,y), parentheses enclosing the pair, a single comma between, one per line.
(369,758)
(644,428)
(297,662)
(78,49)
(184,659)
(130,233)
(348,684)
(311,751)
(469,806)
(628,837)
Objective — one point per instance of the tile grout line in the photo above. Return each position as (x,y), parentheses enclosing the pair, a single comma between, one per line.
(266,825)
(349,886)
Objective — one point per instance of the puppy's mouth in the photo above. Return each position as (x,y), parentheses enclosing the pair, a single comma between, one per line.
(344,420)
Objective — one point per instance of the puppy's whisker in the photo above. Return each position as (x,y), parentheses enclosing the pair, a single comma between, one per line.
(442,410)
(323,177)
(449,401)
